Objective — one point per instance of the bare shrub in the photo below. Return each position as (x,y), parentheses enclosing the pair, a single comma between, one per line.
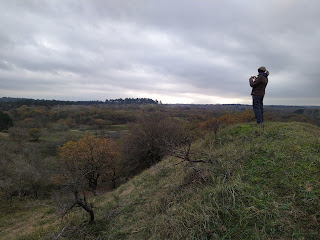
(147,140)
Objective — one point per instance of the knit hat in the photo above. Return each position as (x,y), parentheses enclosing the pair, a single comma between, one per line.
(262,68)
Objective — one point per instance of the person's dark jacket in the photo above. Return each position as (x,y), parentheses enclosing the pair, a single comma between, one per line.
(259,85)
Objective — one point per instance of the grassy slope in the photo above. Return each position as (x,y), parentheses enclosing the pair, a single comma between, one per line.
(260,186)
(19,218)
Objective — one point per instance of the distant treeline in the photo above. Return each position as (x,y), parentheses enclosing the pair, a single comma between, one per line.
(8,103)
(131,101)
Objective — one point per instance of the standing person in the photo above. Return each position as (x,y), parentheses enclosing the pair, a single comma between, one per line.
(259,85)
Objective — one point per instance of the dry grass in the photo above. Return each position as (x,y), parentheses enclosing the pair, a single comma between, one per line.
(259,186)
(4,135)
(20,219)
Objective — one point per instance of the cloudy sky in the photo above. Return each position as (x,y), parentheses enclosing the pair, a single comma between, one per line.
(181,51)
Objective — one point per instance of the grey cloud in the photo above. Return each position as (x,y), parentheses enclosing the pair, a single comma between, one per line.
(207,48)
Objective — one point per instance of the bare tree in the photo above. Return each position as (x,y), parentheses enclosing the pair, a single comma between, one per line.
(147,140)
(183,151)
(193,159)
(23,171)
(73,192)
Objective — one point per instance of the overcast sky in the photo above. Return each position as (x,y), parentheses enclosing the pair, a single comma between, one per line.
(181,51)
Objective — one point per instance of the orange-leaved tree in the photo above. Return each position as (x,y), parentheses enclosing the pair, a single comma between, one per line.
(245,116)
(92,157)
(80,162)
(211,124)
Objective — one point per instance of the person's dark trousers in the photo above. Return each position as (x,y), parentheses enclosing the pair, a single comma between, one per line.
(257,103)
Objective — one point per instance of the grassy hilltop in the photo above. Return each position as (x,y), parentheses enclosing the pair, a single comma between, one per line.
(260,185)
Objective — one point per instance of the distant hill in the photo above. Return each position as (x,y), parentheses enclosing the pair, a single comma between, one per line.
(260,185)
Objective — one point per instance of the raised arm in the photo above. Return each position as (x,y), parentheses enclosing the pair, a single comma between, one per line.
(254,81)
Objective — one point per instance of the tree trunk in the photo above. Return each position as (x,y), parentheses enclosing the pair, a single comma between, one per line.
(93,182)
(89,210)
(84,204)
(114,178)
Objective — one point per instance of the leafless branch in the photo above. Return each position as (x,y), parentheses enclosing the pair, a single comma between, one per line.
(184,153)
(60,234)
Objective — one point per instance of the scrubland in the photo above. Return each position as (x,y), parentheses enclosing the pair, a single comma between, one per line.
(252,184)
